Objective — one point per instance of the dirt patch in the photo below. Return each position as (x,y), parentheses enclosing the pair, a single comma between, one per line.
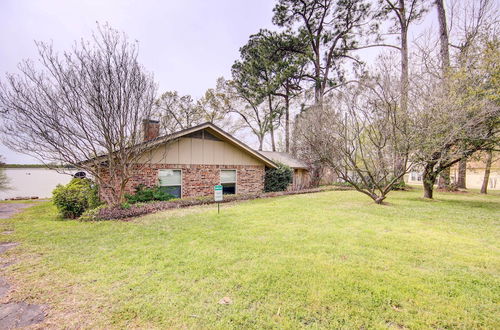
(457,191)
(7,264)
(9,209)
(6,246)
(15,315)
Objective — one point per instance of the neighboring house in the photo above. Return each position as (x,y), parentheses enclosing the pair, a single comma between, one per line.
(474,175)
(191,162)
(301,177)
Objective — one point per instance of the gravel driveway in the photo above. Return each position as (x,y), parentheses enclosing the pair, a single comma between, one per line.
(9,209)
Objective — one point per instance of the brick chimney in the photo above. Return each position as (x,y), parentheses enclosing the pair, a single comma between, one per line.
(151,129)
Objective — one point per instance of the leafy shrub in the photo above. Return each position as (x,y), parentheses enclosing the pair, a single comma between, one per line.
(278,179)
(76,197)
(145,194)
(342,184)
(125,205)
(401,185)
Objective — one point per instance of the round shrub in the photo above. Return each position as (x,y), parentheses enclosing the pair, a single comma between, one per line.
(76,197)
(278,179)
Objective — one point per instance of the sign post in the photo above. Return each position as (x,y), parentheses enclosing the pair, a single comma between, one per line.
(218,196)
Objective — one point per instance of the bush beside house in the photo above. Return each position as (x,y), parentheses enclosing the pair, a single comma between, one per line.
(278,179)
(145,194)
(78,196)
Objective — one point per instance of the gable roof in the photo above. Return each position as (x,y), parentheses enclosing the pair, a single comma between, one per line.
(215,130)
(284,158)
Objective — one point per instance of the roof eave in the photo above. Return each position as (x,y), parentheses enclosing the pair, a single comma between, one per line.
(166,138)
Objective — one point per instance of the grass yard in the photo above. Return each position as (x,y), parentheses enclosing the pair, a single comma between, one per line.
(325,260)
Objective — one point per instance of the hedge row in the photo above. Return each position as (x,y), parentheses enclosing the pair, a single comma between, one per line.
(136,210)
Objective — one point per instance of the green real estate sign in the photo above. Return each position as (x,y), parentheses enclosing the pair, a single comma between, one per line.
(218,193)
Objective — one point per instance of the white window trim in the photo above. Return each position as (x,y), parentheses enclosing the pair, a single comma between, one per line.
(235,178)
(415,176)
(171,185)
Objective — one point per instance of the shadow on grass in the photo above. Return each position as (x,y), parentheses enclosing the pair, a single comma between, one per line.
(463,203)
(472,204)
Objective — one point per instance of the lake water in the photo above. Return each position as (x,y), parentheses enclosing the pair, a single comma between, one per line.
(39,182)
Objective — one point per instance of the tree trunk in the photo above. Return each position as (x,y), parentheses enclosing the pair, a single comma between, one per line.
(462,174)
(443,36)
(273,144)
(428,189)
(287,124)
(404,58)
(315,175)
(271,126)
(404,79)
(444,178)
(429,178)
(318,90)
(261,142)
(487,170)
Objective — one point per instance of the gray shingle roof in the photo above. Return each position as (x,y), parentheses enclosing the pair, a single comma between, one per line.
(284,158)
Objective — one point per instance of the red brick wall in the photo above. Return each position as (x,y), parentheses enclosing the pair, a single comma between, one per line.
(198,180)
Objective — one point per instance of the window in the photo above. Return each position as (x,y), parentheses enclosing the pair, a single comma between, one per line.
(170,182)
(228,181)
(415,176)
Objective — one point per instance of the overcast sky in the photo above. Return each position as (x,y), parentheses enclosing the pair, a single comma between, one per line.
(187,44)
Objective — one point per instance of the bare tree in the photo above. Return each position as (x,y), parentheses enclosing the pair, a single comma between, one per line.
(255,116)
(468,20)
(180,112)
(455,118)
(215,106)
(332,29)
(82,108)
(249,103)
(359,135)
(177,112)
(4,181)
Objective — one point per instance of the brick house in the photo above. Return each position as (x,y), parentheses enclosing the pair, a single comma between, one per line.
(191,162)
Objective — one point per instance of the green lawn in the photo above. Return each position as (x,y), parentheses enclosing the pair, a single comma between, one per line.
(325,260)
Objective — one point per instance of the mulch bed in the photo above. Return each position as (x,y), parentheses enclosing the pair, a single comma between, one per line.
(457,191)
(119,213)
